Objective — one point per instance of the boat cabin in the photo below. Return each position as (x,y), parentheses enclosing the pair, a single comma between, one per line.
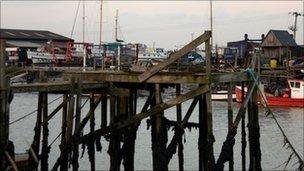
(297,88)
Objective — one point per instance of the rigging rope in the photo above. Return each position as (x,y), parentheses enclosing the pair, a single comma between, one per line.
(23,117)
(61,132)
(77,10)
(269,111)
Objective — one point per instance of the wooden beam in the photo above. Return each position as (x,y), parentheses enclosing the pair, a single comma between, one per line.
(175,56)
(161,77)
(160,107)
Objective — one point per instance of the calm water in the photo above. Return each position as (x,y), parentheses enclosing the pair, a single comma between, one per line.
(273,154)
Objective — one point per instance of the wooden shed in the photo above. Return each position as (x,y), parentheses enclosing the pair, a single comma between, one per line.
(280,45)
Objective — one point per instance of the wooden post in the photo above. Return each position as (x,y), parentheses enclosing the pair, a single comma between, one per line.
(91,147)
(114,144)
(4,115)
(243,152)
(209,156)
(104,109)
(230,120)
(37,136)
(254,133)
(77,122)
(159,135)
(130,133)
(179,121)
(64,161)
(45,133)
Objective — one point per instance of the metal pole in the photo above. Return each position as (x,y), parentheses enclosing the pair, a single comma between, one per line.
(211,24)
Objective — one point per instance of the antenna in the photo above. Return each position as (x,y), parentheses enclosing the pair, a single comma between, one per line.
(83,21)
(211,24)
(116,24)
(294,27)
(100,26)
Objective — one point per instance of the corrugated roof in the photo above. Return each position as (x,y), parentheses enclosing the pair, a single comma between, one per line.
(26,44)
(284,37)
(17,34)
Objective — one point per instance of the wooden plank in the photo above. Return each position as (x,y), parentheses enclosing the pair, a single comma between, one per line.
(162,77)
(175,56)
(160,107)
(230,119)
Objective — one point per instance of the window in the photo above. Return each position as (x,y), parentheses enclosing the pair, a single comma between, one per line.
(292,84)
(297,85)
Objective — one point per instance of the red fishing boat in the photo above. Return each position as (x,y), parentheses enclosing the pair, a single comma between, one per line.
(293,97)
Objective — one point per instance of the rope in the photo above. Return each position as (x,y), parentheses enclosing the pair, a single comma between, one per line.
(23,117)
(269,111)
(61,132)
(77,10)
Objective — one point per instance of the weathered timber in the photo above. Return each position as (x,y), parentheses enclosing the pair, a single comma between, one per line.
(77,122)
(36,140)
(4,107)
(254,133)
(130,133)
(175,56)
(45,133)
(161,77)
(114,149)
(243,132)
(230,121)
(91,145)
(64,163)
(179,121)
(160,107)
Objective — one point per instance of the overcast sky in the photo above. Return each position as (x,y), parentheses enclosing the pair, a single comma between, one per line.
(167,23)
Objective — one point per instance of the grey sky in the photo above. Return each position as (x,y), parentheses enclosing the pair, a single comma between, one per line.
(167,23)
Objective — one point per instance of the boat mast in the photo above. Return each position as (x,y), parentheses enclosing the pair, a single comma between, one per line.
(100,24)
(83,21)
(116,24)
(83,36)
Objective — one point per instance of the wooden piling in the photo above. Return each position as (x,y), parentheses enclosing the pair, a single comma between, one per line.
(230,120)
(45,133)
(91,145)
(243,134)
(64,159)
(77,122)
(179,121)
(4,106)
(130,132)
(37,136)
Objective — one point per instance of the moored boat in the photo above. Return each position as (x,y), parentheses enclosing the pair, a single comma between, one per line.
(292,98)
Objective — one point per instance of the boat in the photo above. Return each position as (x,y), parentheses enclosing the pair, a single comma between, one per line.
(293,96)
(50,54)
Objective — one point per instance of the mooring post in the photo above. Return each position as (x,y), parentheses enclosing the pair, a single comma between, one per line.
(230,120)
(45,133)
(179,120)
(115,137)
(91,147)
(77,123)
(130,132)
(243,152)
(254,133)
(104,109)
(159,135)
(4,106)
(206,138)
(64,159)
(37,136)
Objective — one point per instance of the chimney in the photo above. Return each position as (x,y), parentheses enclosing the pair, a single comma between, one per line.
(246,37)
(263,37)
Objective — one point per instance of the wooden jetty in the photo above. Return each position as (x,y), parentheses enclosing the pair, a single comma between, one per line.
(121,124)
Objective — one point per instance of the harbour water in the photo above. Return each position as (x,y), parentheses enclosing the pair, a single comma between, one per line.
(273,152)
